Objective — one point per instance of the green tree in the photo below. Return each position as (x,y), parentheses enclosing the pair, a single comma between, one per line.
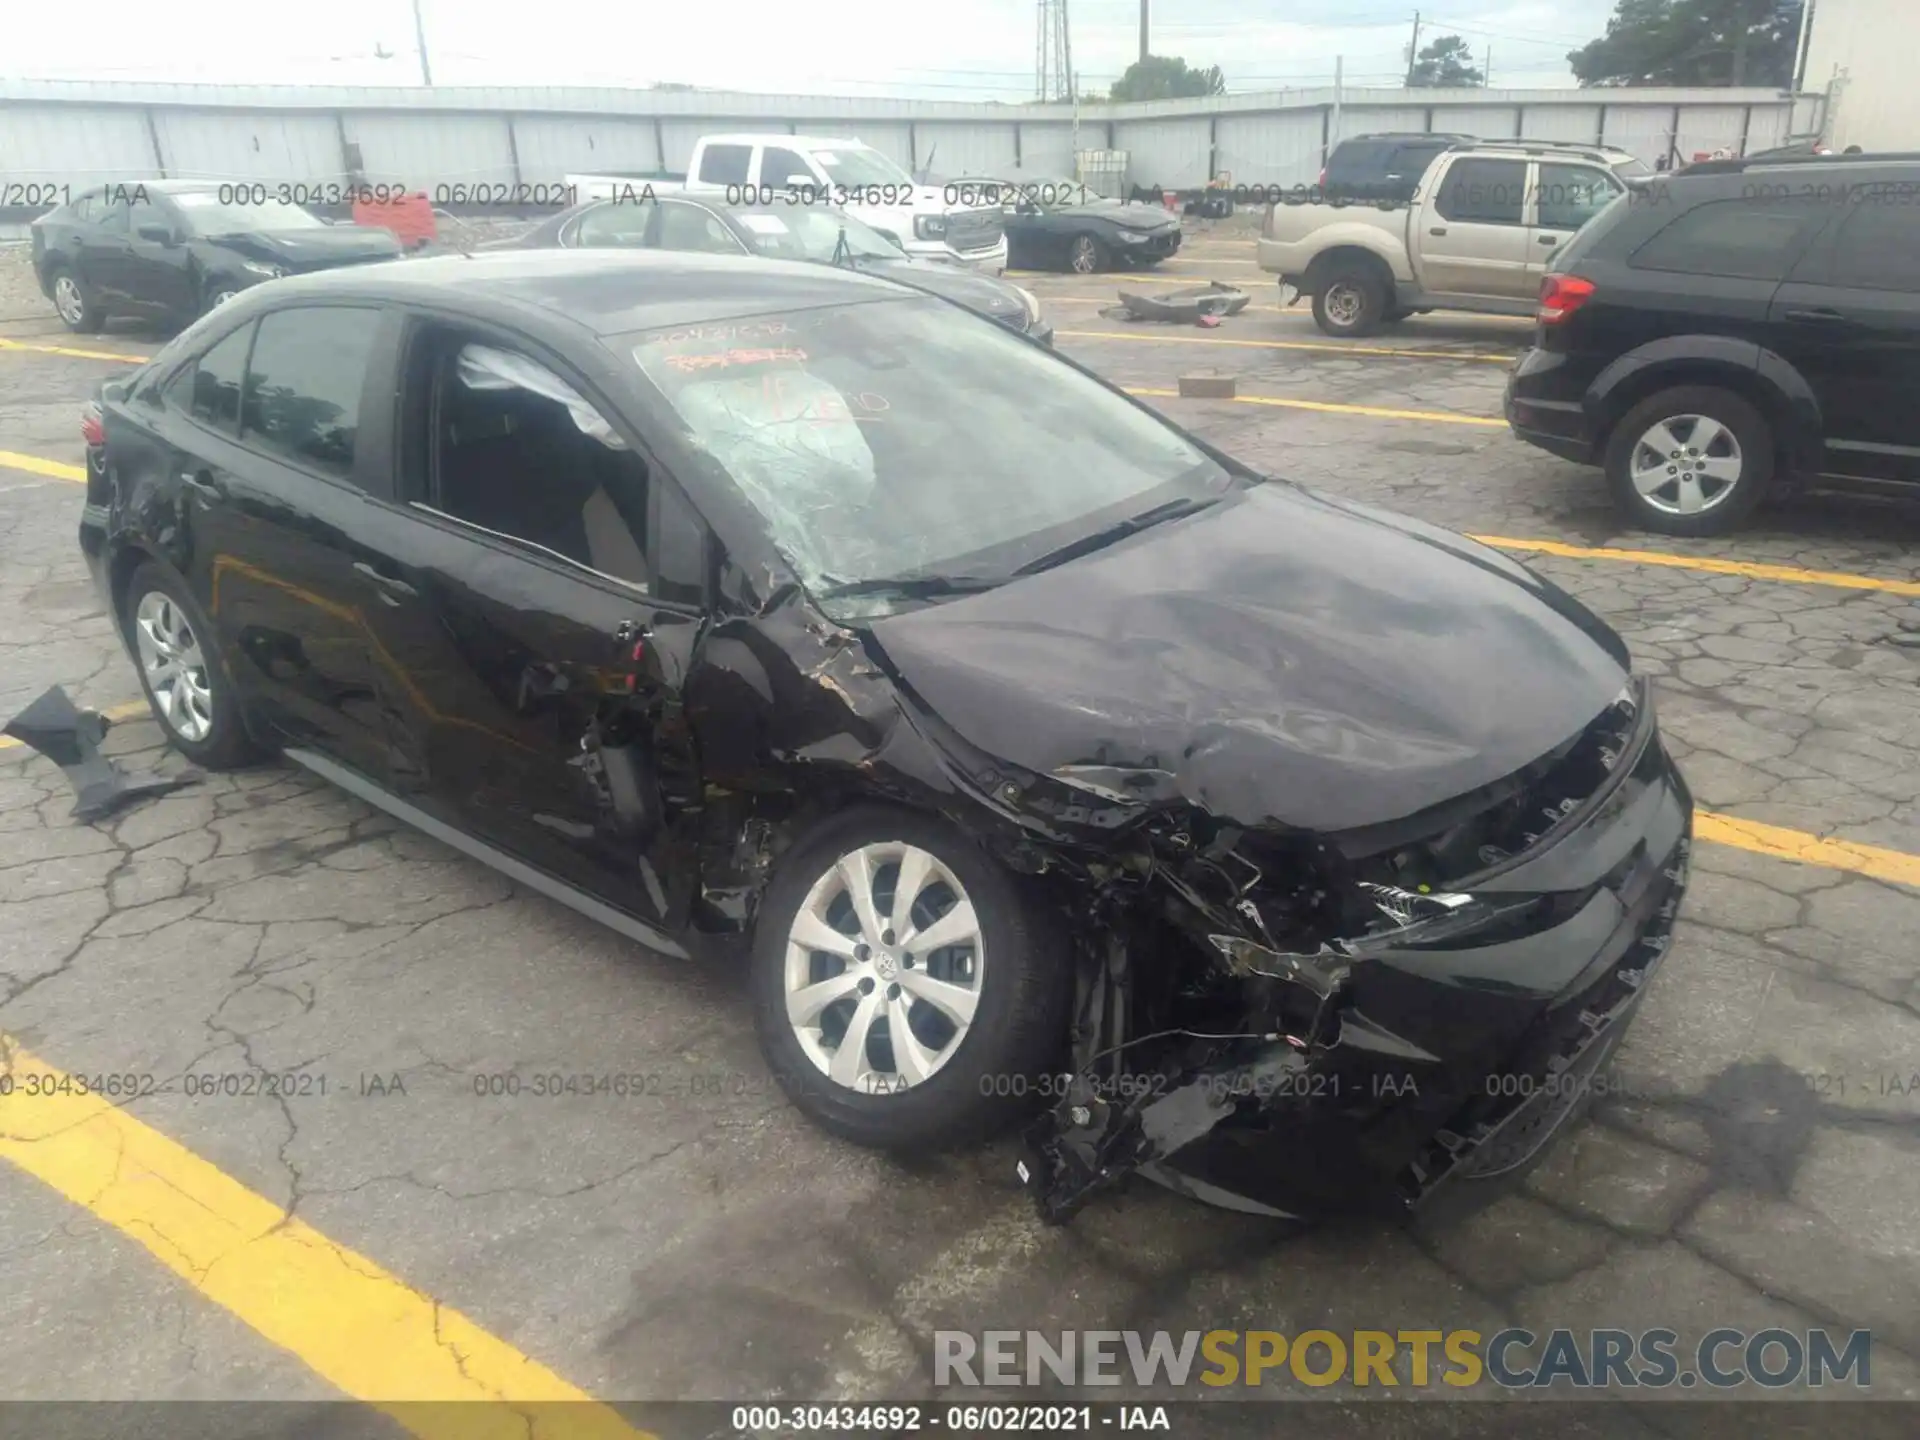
(1693,42)
(1447,62)
(1166,77)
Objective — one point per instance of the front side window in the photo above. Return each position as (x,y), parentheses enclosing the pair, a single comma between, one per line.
(780,166)
(810,233)
(1571,195)
(1484,192)
(302,396)
(909,439)
(1878,247)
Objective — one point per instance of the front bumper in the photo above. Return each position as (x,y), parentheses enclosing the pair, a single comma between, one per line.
(988,260)
(1157,245)
(1449,1061)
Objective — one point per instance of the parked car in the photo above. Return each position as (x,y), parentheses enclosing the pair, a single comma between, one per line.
(1383,167)
(1750,328)
(1044,751)
(823,234)
(168,250)
(1476,237)
(1054,222)
(776,166)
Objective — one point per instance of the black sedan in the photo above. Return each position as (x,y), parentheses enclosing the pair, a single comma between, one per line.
(169,250)
(1292,852)
(1063,222)
(820,233)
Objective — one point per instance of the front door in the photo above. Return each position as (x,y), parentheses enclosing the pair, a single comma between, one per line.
(159,276)
(1565,197)
(1471,237)
(1848,319)
(540,708)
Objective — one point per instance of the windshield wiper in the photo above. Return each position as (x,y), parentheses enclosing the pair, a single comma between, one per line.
(1132,525)
(912,587)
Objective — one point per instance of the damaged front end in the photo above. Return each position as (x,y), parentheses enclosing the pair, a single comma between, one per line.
(1299,1025)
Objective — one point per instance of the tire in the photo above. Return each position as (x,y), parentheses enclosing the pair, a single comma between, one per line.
(218,293)
(1726,482)
(979,1078)
(73,300)
(1350,303)
(1086,254)
(199,713)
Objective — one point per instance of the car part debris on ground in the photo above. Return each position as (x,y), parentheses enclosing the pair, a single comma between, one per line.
(1195,305)
(70,737)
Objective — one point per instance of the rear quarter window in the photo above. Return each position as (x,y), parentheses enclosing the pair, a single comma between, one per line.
(1752,238)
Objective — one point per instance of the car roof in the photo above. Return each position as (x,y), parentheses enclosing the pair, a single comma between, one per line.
(607,292)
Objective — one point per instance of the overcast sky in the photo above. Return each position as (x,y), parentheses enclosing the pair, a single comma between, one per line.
(932,49)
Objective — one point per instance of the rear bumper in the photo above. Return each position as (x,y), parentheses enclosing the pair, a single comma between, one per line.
(1545,405)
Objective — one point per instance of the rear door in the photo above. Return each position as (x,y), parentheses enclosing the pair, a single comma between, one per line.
(1848,318)
(1565,197)
(276,448)
(1471,237)
(105,257)
(524,592)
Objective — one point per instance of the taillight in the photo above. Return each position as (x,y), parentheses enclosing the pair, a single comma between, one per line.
(92,429)
(1561,295)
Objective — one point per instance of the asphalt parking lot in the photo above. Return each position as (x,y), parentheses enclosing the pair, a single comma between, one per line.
(1755,1162)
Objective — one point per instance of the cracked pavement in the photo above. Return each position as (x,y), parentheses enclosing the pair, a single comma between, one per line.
(1753,1163)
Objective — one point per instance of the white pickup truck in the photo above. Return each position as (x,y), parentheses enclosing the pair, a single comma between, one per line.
(1477,235)
(777,168)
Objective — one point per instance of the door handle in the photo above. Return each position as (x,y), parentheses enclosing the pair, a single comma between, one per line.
(1437,230)
(1817,316)
(390,586)
(1550,239)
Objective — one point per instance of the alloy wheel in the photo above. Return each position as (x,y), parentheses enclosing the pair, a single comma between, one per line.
(1686,464)
(221,297)
(175,669)
(1345,303)
(1085,256)
(68,300)
(883,967)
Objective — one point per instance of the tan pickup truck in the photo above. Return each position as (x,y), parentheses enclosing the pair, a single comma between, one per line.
(1477,235)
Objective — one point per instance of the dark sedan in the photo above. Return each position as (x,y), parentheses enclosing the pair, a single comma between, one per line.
(820,233)
(1294,853)
(168,250)
(1063,222)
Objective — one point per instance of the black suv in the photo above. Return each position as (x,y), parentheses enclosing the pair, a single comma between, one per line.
(1385,167)
(1744,327)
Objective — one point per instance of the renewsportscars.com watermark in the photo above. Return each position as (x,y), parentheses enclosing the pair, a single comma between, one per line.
(1513,1359)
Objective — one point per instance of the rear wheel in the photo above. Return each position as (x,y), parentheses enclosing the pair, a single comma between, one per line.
(74,301)
(186,679)
(902,991)
(1693,460)
(1086,255)
(1350,303)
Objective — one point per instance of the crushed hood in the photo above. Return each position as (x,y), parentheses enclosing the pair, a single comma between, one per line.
(315,248)
(1283,658)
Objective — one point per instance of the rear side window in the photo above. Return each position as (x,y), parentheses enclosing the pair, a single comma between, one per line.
(209,389)
(1877,247)
(1758,238)
(302,396)
(614,223)
(725,164)
(1486,192)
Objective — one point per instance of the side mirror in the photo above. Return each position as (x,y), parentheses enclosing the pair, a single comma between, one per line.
(159,234)
(802,182)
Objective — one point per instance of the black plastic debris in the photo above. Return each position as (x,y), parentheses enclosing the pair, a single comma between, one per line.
(1194,305)
(70,737)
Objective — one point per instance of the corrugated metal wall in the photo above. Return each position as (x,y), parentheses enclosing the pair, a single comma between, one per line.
(76,134)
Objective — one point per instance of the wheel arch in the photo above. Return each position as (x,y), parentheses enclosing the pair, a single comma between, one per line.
(1344,257)
(1759,376)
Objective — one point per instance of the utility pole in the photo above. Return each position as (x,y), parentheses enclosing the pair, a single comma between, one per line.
(420,42)
(1143,32)
(1413,49)
(1486,70)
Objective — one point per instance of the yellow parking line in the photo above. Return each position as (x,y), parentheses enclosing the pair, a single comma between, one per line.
(129,711)
(1797,845)
(1751,569)
(361,1328)
(1333,348)
(34,465)
(70,350)
(1438,416)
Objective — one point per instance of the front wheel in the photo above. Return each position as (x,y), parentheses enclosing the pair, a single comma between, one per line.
(218,294)
(1086,255)
(1693,460)
(902,990)
(1350,303)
